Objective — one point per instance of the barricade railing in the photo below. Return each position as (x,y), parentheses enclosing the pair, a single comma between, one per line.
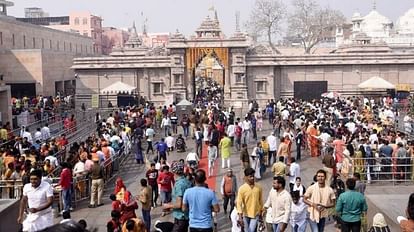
(391,170)
(11,189)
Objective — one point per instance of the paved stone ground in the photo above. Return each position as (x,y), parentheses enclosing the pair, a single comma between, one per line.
(132,173)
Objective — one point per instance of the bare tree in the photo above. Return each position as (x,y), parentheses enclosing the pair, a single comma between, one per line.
(265,20)
(311,23)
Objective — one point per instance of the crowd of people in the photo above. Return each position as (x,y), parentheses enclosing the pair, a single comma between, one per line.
(208,91)
(355,139)
(42,107)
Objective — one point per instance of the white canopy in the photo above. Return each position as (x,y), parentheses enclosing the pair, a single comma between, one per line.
(184,102)
(376,83)
(118,87)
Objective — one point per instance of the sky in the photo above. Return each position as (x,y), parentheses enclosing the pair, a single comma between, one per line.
(186,15)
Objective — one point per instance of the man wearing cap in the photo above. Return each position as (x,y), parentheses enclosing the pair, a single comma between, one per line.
(181,219)
(228,190)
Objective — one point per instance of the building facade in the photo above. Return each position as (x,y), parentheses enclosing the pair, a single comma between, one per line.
(245,70)
(113,38)
(82,23)
(36,60)
(376,28)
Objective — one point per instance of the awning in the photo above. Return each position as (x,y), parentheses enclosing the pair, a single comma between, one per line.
(376,83)
(118,87)
(184,102)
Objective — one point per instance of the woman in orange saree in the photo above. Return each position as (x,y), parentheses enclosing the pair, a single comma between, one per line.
(313,141)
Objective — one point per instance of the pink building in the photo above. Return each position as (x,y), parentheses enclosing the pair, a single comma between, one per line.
(113,37)
(83,23)
(155,39)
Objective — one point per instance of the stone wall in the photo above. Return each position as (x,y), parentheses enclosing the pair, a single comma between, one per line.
(39,55)
(22,66)
(18,35)
(42,67)
(93,81)
(344,78)
(56,69)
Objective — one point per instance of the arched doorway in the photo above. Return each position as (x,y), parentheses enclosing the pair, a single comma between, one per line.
(209,79)
(210,63)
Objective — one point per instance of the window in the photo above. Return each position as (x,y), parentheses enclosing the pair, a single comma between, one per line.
(239,59)
(85,21)
(70,46)
(13,40)
(239,78)
(157,88)
(261,86)
(177,60)
(64,46)
(50,44)
(76,21)
(24,41)
(177,79)
(43,43)
(34,42)
(57,45)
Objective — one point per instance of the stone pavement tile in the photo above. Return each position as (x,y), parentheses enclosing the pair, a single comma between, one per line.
(391,205)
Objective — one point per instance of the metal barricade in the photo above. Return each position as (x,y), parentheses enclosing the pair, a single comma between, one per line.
(384,170)
(11,189)
(81,188)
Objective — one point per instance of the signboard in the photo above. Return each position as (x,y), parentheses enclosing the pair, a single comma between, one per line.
(403,87)
(95,101)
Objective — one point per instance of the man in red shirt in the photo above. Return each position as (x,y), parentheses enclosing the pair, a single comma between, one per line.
(65,183)
(166,181)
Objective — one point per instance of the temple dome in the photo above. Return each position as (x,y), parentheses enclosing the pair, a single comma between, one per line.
(209,28)
(405,24)
(375,24)
(134,41)
(356,16)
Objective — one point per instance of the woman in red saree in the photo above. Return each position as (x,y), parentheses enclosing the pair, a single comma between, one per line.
(128,207)
(120,189)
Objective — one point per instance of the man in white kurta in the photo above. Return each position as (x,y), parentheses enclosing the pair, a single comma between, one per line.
(37,199)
